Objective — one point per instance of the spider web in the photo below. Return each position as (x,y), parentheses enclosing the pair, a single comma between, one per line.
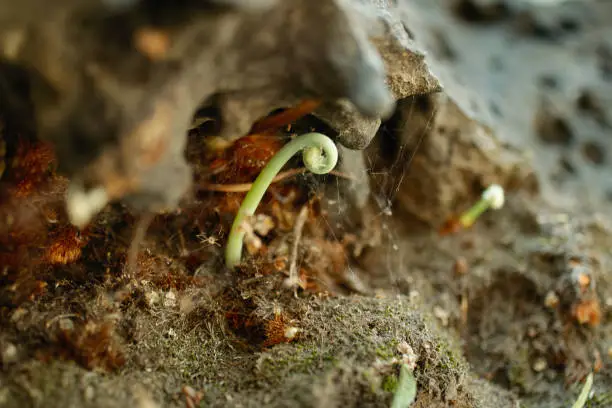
(385,183)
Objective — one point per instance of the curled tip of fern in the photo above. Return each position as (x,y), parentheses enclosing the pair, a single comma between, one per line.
(320,156)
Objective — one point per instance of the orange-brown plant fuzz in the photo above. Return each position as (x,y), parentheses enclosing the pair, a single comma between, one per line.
(33,158)
(450,227)
(587,312)
(93,345)
(32,165)
(279,330)
(248,156)
(66,248)
(24,187)
(241,162)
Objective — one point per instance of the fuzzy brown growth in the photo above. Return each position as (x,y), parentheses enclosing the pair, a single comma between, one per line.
(243,161)
(159,271)
(32,174)
(92,345)
(24,187)
(587,312)
(31,166)
(450,227)
(26,288)
(66,248)
(33,158)
(279,330)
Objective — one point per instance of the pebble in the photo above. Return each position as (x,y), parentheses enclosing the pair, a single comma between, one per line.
(152,298)
(170,299)
(441,314)
(89,393)
(552,300)
(461,268)
(540,365)
(9,354)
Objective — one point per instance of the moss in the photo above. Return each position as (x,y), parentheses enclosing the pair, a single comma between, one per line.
(600,400)
(284,360)
(385,353)
(330,361)
(450,356)
(519,372)
(390,383)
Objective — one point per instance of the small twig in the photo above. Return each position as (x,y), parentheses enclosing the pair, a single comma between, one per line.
(294,279)
(139,234)
(244,187)
(286,117)
(59,317)
(343,175)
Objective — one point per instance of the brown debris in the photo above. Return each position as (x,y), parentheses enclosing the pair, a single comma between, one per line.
(461,267)
(93,345)
(159,271)
(246,158)
(32,158)
(293,280)
(192,397)
(152,42)
(27,288)
(450,227)
(31,167)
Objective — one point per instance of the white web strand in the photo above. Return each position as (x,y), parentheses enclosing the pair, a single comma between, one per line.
(387,193)
(384,196)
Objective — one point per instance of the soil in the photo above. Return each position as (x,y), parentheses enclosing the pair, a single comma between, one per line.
(515,311)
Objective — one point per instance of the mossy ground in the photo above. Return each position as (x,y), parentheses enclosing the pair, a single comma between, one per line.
(342,358)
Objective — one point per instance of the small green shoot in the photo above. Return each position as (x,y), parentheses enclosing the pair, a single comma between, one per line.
(320,156)
(492,197)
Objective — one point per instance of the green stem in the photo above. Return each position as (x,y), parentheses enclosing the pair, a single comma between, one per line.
(320,157)
(584,394)
(468,217)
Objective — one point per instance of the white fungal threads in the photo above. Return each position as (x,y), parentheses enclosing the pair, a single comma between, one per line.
(291,332)
(81,206)
(495,196)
